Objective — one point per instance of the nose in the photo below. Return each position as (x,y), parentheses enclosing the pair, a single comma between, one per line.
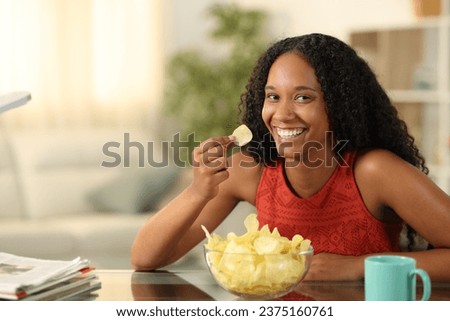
(284,111)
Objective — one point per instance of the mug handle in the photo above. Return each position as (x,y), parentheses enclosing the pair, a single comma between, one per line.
(425,281)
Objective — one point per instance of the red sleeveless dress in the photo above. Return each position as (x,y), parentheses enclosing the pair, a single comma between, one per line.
(335,219)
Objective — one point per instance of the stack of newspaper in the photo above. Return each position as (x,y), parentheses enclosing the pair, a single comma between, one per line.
(24,278)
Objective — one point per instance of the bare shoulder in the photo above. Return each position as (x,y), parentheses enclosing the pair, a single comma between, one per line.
(376,163)
(386,180)
(245,174)
(381,171)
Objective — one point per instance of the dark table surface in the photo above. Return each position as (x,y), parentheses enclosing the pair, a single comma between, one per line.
(198,285)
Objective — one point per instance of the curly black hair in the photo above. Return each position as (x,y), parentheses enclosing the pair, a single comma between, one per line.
(358,108)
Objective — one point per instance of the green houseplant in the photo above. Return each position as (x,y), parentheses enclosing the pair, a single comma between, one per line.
(202,94)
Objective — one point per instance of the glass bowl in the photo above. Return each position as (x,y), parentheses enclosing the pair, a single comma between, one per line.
(258,276)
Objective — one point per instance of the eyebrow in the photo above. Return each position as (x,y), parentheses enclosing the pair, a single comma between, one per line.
(296,88)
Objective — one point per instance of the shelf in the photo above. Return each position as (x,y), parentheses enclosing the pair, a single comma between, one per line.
(414,96)
(419,96)
(420,23)
(407,57)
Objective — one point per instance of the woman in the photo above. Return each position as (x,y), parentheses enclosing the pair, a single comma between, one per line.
(329,160)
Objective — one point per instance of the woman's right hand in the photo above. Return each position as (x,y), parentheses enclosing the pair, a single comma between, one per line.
(176,228)
(210,166)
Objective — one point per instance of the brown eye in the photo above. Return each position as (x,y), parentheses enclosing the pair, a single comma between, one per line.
(302,98)
(272,97)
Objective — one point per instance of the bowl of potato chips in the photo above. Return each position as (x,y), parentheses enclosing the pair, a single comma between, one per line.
(260,264)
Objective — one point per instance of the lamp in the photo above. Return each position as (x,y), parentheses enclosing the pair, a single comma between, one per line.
(13,100)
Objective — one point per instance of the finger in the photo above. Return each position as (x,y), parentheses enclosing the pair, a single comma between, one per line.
(217,164)
(216,142)
(213,154)
(211,165)
(222,176)
(204,158)
(211,149)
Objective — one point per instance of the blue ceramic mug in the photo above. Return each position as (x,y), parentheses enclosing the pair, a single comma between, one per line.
(393,278)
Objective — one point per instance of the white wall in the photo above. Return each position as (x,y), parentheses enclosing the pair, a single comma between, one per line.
(188,25)
(337,18)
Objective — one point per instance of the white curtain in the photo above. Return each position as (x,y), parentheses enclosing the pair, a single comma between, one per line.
(85,62)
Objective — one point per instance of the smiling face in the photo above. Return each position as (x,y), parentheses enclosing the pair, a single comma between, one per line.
(294,109)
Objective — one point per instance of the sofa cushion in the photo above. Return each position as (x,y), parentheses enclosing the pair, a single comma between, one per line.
(62,191)
(135,190)
(36,238)
(11,198)
(103,238)
(57,169)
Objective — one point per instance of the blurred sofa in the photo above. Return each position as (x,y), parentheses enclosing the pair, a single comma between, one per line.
(58,202)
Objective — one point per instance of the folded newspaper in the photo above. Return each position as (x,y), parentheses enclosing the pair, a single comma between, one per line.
(20,277)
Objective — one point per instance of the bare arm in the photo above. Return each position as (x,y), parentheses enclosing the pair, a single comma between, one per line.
(421,204)
(385,180)
(214,192)
(333,267)
(175,229)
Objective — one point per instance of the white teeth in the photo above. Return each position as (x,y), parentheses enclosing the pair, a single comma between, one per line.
(290,133)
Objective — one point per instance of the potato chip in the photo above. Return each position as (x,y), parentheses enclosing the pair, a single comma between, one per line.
(251,223)
(214,241)
(258,261)
(267,245)
(243,135)
(296,242)
(305,245)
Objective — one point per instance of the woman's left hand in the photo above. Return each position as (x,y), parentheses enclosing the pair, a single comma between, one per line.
(334,267)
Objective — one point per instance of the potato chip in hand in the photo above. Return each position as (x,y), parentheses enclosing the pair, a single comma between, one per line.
(243,135)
